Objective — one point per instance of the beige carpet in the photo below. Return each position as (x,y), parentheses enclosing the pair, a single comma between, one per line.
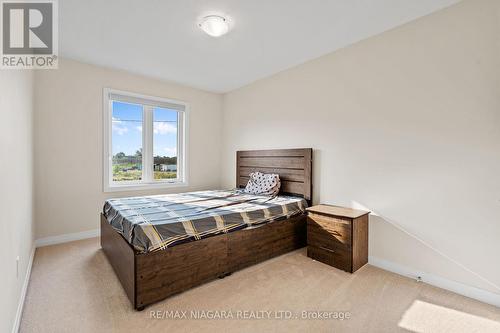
(74,289)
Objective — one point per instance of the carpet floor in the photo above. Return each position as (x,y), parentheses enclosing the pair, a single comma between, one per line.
(74,289)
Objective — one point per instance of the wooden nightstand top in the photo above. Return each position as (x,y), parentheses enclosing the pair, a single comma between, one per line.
(337,211)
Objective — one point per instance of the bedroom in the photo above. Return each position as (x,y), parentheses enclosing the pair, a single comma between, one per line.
(397,100)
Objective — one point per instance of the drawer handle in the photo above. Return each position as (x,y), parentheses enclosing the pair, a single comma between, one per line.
(327,249)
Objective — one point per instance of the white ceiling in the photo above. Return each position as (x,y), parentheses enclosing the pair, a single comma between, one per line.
(160,38)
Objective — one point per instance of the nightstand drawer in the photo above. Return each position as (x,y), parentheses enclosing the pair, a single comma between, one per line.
(327,220)
(338,258)
(328,232)
(338,236)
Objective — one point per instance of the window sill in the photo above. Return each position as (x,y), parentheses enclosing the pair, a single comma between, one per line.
(143,186)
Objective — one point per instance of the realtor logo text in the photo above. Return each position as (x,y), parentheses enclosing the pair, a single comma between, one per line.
(29,34)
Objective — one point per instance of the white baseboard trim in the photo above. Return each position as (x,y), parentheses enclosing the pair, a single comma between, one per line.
(39,243)
(20,306)
(52,240)
(437,281)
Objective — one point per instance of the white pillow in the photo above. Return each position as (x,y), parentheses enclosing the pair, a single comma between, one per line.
(262,183)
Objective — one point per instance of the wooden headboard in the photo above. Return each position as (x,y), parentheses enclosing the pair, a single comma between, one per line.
(293,165)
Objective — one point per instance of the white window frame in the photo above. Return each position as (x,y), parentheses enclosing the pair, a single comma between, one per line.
(147,181)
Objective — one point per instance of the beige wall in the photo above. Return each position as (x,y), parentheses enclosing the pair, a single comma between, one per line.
(68,142)
(16,188)
(405,124)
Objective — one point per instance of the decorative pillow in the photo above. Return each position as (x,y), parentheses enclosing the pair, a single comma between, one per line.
(263,183)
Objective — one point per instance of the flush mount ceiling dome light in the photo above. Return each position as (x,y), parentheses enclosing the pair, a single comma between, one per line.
(214,25)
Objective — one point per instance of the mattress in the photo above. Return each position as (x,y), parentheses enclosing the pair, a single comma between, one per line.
(151,223)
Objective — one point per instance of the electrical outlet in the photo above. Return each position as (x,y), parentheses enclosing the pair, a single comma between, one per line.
(17,267)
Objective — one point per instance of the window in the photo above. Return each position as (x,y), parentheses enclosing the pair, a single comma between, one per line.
(144,143)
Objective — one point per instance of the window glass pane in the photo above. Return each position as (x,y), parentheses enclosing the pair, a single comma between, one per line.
(127,141)
(165,143)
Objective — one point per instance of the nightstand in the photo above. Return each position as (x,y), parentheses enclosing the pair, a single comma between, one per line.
(338,236)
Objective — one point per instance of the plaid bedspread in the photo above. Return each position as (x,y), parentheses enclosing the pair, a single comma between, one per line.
(151,223)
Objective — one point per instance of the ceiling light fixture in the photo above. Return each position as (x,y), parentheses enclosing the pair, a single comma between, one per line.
(214,25)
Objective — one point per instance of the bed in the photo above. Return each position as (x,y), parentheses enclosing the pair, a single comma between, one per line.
(162,245)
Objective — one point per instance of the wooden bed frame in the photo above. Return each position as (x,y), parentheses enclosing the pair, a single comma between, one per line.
(150,277)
